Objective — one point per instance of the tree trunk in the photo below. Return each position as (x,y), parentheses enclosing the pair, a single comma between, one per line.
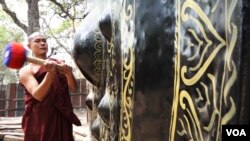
(33,16)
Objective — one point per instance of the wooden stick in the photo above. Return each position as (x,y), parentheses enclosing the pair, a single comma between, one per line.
(38,61)
(34,60)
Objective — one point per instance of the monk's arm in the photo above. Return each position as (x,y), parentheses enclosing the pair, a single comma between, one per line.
(71,81)
(38,91)
(67,71)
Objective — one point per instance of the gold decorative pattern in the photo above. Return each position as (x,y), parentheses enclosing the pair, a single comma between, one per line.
(202,100)
(127,46)
(98,52)
(108,130)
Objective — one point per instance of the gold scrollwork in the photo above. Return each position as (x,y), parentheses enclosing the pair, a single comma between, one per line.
(98,53)
(205,108)
(127,98)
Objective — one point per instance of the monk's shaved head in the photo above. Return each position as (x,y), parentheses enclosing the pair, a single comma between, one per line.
(33,35)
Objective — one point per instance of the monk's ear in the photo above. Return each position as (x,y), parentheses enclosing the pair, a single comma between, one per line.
(28,45)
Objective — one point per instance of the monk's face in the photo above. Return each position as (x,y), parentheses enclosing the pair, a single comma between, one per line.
(38,45)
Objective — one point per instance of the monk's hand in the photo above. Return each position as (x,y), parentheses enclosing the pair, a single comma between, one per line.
(64,68)
(50,66)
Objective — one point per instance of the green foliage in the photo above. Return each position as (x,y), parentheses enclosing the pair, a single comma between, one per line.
(9,32)
(66,24)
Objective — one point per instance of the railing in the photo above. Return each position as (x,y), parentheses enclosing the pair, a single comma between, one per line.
(12,98)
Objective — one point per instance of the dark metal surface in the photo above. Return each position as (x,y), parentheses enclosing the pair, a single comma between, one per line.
(167,69)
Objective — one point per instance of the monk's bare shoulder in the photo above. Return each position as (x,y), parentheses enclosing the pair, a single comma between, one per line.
(24,72)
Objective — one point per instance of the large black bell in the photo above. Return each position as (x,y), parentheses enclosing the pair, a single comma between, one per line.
(90,42)
(88,53)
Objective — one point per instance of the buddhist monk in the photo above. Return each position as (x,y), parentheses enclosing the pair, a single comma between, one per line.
(48,114)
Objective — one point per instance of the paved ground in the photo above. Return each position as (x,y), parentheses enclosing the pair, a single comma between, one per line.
(82,133)
(10,127)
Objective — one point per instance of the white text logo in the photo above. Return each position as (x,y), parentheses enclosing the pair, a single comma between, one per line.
(236,132)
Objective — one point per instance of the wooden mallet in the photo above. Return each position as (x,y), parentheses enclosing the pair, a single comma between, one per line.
(15,55)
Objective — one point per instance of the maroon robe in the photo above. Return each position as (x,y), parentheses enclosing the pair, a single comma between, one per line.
(52,118)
